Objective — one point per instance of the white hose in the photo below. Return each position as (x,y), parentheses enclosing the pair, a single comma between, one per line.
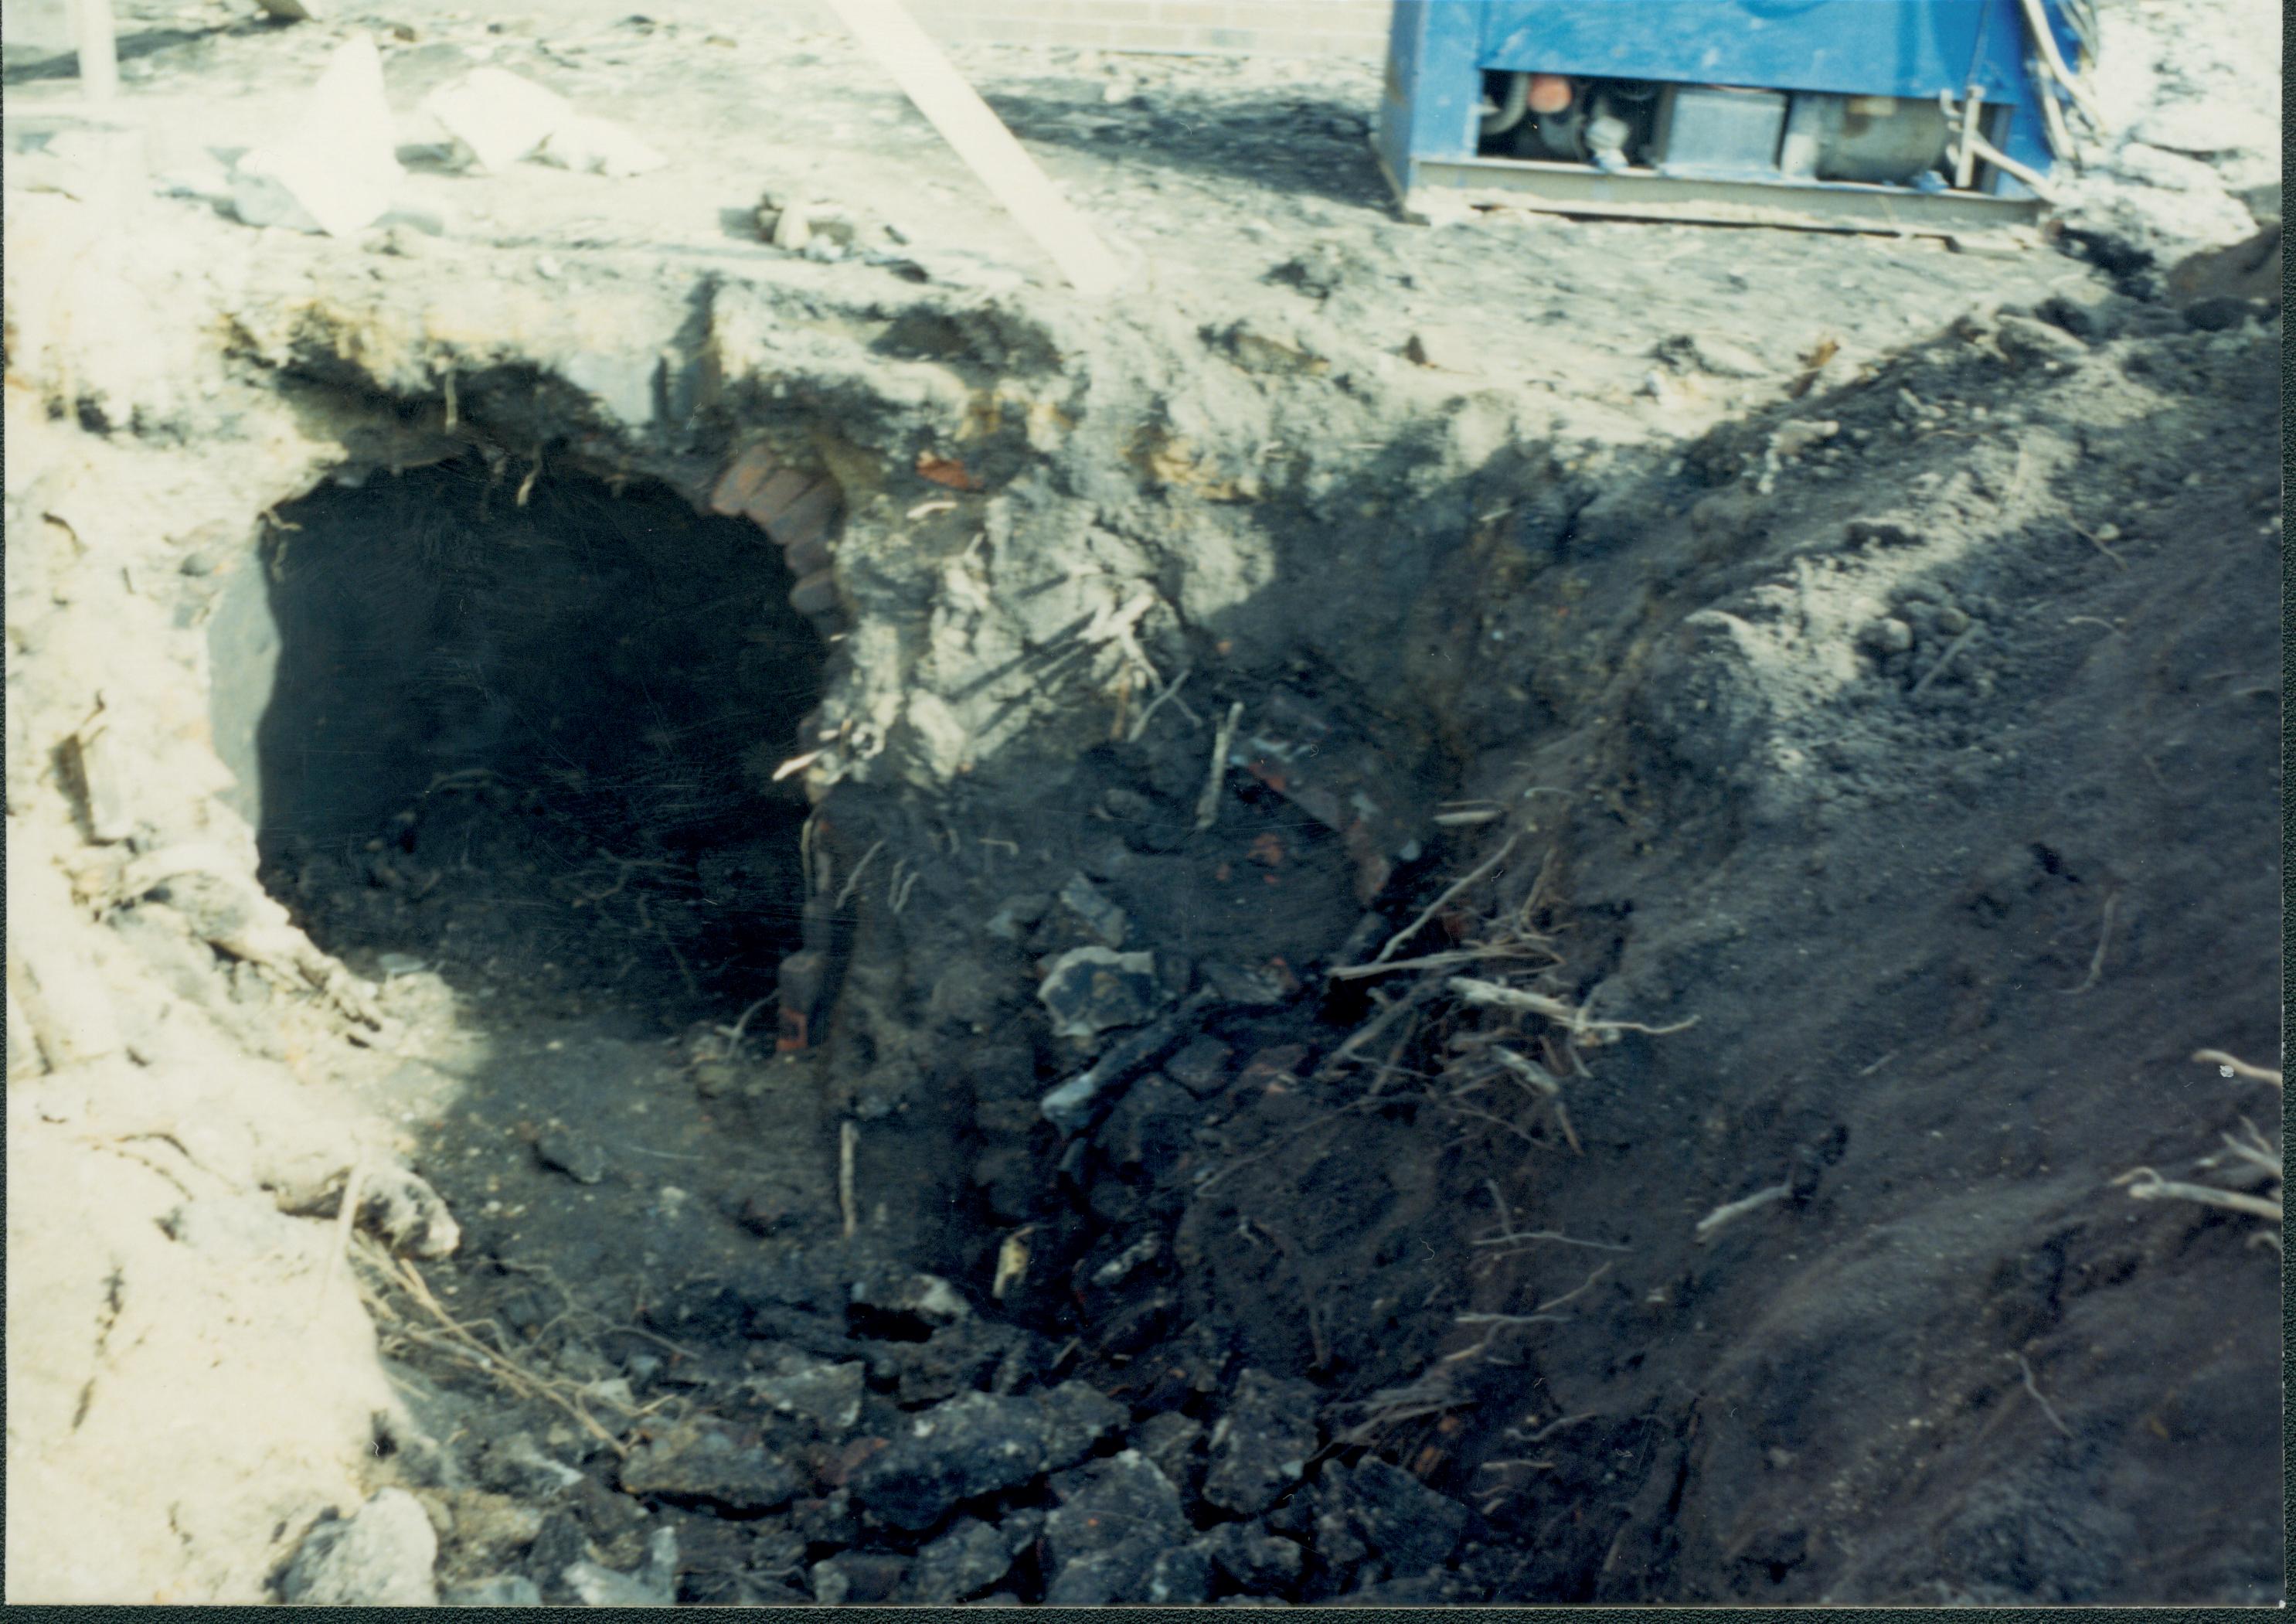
(1511,111)
(2044,41)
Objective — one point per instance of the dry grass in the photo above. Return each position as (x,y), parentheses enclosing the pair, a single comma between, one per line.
(405,1311)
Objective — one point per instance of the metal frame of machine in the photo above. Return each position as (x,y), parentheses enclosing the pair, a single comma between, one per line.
(1939,116)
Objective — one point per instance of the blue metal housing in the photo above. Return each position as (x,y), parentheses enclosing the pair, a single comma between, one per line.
(1440,50)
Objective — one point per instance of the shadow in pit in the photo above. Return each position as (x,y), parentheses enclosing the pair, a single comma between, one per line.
(509,750)
(523,734)
(1292,146)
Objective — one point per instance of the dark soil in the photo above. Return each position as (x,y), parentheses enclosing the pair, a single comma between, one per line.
(1899,812)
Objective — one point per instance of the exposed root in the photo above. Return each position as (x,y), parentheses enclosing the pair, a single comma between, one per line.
(1529,1238)
(845,891)
(1482,871)
(1479,953)
(1491,994)
(1370,1030)
(1543,1314)
(2104,938)
(1214,1177)
(2034,1388)
(848,1207)
(1208,803)
(1542,1085)
(2234,1067)
(2248,1157)
(457,1341)
(1729,1211)
(1169,691)
(2144,1185)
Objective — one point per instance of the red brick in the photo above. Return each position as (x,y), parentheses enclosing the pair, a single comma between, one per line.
(776,494)
(804,557)
(810,515)
(815,594)
(741,481)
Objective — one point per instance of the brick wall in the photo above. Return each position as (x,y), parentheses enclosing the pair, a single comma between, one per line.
(1264,28)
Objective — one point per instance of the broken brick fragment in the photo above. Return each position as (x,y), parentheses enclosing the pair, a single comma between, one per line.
(743,478)
(776,494)
(808,515)
(945,471)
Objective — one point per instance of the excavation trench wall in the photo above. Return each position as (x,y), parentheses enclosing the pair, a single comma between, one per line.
(1794,766)
(203,563)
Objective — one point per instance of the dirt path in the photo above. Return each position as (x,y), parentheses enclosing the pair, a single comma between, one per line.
(1270,971)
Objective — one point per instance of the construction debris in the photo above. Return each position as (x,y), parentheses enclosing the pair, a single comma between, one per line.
(338,169)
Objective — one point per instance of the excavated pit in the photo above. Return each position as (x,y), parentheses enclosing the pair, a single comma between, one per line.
(1398,963)
(523,735)
(1342,1279)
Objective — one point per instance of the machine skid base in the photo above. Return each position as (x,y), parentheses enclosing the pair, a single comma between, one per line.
(1449,188)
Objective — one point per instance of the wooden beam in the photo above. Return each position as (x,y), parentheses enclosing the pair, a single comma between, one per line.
(889,35)
(94,39)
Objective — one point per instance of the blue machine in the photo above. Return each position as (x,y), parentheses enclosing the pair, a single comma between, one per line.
(1842,114)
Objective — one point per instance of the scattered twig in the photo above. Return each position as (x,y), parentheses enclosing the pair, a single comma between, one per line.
(1317,1342)
(1471,877)
(733,1034)
(845,892)
(1493,1120)
(1123,705)
(849,1139)
(1363,1036)
(2236,1067)
(2096,961)
(1524,1237)
(1943,661)
(345,1221)
(1208,803)
(1430,1393)
(1543,1084)
(1552,1427)
(1499,1205)
(2034,1388)
(1387,1067)
(1730,1211)
(1877,1065)
(1169,691)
